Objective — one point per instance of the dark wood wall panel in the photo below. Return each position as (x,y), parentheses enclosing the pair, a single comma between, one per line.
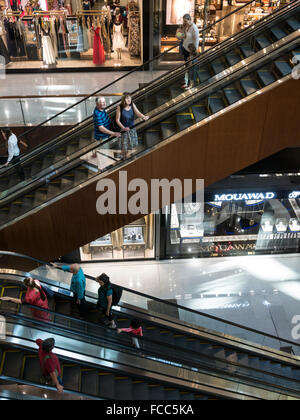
(225,145)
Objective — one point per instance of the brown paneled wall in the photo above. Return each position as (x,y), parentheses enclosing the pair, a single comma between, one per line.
(225,145)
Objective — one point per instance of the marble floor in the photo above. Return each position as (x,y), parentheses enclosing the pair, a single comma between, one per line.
(260,292)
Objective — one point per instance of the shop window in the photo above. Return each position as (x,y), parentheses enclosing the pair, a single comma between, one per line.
(135,241)
(233,228)
(72,33)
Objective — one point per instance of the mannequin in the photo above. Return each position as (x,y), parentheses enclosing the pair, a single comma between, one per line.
(118,39)
(133,6)
(108,21)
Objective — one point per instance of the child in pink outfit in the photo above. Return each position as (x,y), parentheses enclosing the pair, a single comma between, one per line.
(135,329)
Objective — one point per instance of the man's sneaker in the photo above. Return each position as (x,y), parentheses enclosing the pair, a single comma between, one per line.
(112,325)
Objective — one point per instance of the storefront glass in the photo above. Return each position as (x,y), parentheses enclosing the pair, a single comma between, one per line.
(228,228)
(48,34)
(135,241)
(204,13)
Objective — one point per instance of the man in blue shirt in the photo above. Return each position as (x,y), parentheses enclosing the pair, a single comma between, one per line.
(102,123)
(78,284)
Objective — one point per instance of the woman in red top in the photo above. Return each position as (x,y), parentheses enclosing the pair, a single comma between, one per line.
(35,296)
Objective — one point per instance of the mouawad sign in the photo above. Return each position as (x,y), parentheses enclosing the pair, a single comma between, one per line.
(259,196)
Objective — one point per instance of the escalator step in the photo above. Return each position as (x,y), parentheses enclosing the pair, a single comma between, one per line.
(89,382)
(204,74)
(13,363)
(63,307)
(163,97)
(278,32)
(231,355)
(12,291)
(149,105)
(186,396)
(184,121)
(151,138)
(216,104)
(106,385)
(283,67)
(172,394)
(71,377)
(123,388)
(140,390)
(262,41)
(168,129)
(175,91)
(32,370)
(218,66)
(233,58)
(200,112)
(232,95)
(156,392)
(293,23)
(249,86)
(266,76)
(247,50)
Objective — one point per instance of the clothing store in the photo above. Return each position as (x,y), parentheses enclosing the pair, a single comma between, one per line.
(37,35)
(168,19)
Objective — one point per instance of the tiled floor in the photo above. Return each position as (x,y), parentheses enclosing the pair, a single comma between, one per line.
(261,292)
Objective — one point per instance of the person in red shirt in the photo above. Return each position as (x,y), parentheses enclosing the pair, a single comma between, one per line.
(135,329)
(35,296)
(49,363)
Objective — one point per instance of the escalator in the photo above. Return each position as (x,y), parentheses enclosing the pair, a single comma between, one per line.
(213,63)
(177,360)
(217,122)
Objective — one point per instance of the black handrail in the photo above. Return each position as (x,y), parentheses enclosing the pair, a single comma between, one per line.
(233,324)
(137,69)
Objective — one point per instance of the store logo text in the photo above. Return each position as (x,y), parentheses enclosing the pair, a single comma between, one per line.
(244,196)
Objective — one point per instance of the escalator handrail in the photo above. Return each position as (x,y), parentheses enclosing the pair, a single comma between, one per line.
(141,294)
(41,147)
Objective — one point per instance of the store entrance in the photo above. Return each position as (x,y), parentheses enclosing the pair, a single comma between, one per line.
(205,13)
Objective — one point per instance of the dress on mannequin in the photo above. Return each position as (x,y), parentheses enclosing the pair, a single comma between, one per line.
(118,39)
(48,51)
(99,54)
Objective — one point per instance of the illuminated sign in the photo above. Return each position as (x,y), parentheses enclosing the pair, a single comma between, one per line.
(294,194)
(259,196)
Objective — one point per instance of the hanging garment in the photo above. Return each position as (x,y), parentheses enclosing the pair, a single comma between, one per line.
(99,54)
(118,39)
(105,37)
(49,58)
(3,51)
(85,35)
(62,43)
(90,37)
(20,38)
(80,45)
(134,42)
(53,36)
